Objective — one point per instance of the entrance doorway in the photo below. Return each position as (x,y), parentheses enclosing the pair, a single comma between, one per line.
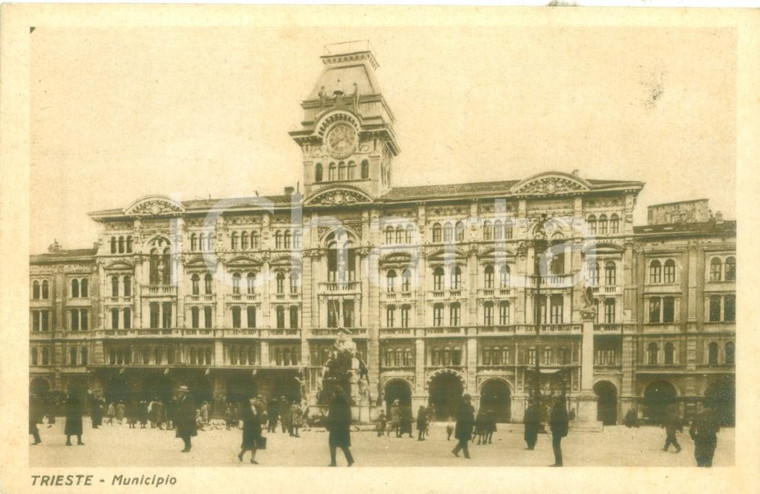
(157,386)
(606,405)
(397,389)
(445,395)
(495,397)
(117,389)
(658,396)
(721,397)
(241,387)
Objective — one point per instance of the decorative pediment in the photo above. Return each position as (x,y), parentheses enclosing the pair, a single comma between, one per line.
(396,257)
(155,206)
(244,261)
(338,197)
(120,266)
(491,253)
(551,183)
(443,255)
(293,260)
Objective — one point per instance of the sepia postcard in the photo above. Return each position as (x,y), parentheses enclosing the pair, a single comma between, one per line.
(447,247)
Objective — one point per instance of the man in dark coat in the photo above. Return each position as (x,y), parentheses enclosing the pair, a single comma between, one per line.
(463,429)
(532,425)
(73,425)
(184,420)
(35,417)
(273,414)
(672,424)
(560,424)
(406,421)
(704,431)
(284,409)
(96,415)
(252,415)
(631,418)
(421,423)
(338,423)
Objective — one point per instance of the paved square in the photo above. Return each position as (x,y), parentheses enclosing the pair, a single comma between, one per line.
(119,446)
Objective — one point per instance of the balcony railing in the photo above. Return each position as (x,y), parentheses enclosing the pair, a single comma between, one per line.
(200,298)
(159,290)
(548,329)
(333,332)
(445,331)
(496,329)
(396,332)
(281,333)
(608,328)
(340,286)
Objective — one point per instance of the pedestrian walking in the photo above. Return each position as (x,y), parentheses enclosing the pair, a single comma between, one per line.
(421,423)
(338,424)
(252,416)
(74,410)
(532,423)
(284,409)
(406,421)
(395,418)
(295,418)
(185,418)
(481,426)
(205,409)
(142,413)
(560,423)
(96,414)
(120,412)
(153,413)
(672,424)
(463,428)
(131,414)
(110,413)
(273,415)
(381,423)
(160,414)
(429,418)
(704,432)
(227,415)
(631,418)
(35,417)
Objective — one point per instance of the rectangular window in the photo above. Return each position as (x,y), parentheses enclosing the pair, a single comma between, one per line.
(454,315)
(714,308)
(83,323)
(154,315)
(609,311)
(34,356)
(488,315)
(654,310)
(251,316)
(195,316)
(294,323)
(333,309)
(236,317)
(166,319)
(532,356)
(127,316)
(670,272)
(438,315)
(405,317)
(668,309)
(729,308)
(348,313)
(114,318)
(547,356)
(74,320)
(72,356)
(504,314)
(35,320)
(45,324)
(207,317)
(390,316)
(556,309)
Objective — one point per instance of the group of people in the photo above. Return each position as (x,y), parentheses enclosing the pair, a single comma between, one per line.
(291,414)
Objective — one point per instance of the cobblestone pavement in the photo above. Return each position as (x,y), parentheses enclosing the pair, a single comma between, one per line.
(117,445)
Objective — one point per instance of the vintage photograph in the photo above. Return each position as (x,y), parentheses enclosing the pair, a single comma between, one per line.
(382,246)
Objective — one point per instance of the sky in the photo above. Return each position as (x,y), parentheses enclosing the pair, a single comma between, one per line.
(117,114)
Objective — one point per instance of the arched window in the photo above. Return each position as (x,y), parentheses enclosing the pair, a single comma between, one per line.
(127,286)
(129,244)
(406,280)
(294,323)
(730,274)
(391,281)
(294,282)
(210,242)
(504,313)
(487,230)
(389,235)
(488,314)
(244,241)
(234,241)
(280,282)
(438,279)
(408,234)
(74,288)
(195,315)
(351,170)
(365,169)
(459,232)
(592,224)
(84,289)
(195,281)
(208,283)
(486,355)
(614,224)
(251,283)
(438,315)
(652,351)
(254,240)
(730,352)
(121,245)
(488,277)
(456,278)
(593,273)
(318,172)
(405,309)
(286,238)
(498,230)
(236,316)
(504,276)
(609,311)
(603,225)
(278,240)
(508,230)
(207,316)
(654,310)
(45,289)
(202,241)
(437,233)
(712,353)
(114,286)
(670,351)
(193,242)
(251,314)
(331,172)
(400,234)
(236,283)
(670,271)
(341,171)
(715,269)
(113,245)
(280,317)
(655,272)
(610,274)
(390,316)
(36,290)
(448,233)
(454,314)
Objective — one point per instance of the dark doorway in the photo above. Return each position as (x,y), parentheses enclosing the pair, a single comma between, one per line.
(397,389)
(495,397)
(658,396)
(39,387)
(721,397)
(445,395)
(117,389)
(157,386)
(606,405)
(241,387)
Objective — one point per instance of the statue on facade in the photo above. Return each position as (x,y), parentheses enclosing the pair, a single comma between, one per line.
(54,247)
(344,368)
(589,303)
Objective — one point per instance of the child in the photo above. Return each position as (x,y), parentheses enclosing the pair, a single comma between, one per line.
(449,429)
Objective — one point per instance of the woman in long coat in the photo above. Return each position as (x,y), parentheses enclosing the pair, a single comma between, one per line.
(185,418)
(395,418)
(339,425)
(463,430)
(532,425)
(97,413)
(252,418)
(73,425)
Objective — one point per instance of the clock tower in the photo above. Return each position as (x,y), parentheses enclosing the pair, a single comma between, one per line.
(347,136)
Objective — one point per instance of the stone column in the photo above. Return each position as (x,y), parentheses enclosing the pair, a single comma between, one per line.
(586,418)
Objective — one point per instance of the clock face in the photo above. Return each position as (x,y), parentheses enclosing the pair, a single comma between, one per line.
(341,140)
